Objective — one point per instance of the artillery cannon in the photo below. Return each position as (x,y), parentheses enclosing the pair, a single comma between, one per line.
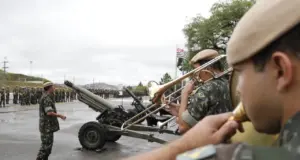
(107,127)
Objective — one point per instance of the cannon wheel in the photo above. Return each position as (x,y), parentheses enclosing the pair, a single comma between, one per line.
(92,136)
(113,137)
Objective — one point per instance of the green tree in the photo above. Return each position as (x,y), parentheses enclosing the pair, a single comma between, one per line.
(140,90)
(215,31)
(140,84)
(165,79)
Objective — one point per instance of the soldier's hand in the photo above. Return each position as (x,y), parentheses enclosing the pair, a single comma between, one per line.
(63,117)
(212,129)
(189,87)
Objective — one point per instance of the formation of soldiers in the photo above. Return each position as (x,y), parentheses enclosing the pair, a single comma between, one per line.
(31,95)
(104,93)
(25,95)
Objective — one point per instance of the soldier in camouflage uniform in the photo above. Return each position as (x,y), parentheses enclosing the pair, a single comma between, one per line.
(67,95)
(208,99)
(27,96)
(33,97)
(7,95)
(15,95)
(39,94)
(2,97)
(267,62)
(48,122)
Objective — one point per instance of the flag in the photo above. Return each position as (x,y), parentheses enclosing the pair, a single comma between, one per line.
(180,53)
(179,50)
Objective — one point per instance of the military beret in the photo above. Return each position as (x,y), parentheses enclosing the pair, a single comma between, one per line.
(204,55)
(263,23)
(47,84)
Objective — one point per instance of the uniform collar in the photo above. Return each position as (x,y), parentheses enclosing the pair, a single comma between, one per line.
(290,130)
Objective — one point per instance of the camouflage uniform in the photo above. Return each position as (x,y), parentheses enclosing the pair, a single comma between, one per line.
(27,96)
(2,97)
(47,125)
(15,95)
(7,95)
(288,147)
(210,98)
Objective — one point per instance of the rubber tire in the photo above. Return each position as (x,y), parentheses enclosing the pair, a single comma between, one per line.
(101,134)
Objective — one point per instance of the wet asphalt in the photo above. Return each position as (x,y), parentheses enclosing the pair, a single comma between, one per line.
(20,138)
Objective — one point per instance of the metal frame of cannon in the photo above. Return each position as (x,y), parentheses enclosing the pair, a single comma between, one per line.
(93,135)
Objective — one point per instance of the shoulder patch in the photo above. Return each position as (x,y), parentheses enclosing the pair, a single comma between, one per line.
(198,153)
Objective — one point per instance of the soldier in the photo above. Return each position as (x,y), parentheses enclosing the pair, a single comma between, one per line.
(48,123)
(27,96)
(15,95)
(39,94)
(7,95)
(56,95)
(210,98)
(67,95)
(267,60)
(33,97)
(64,95)
(21,96)
(2,97)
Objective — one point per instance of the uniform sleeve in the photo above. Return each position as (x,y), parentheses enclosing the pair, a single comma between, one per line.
(47,105)
(188,118)
(199,106)
(238,151)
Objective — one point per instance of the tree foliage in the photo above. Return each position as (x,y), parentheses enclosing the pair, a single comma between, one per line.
(215,31)
(165,79)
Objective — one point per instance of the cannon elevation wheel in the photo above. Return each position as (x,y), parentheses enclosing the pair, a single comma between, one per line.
(92,136)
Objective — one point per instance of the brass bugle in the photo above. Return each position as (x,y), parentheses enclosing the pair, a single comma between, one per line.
(239,114)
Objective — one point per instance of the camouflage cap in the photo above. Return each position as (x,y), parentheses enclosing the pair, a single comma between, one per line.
(47,84)
(262,24)
(204,55)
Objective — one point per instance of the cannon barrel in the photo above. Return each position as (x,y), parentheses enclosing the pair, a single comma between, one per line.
(142,107)
(95,102)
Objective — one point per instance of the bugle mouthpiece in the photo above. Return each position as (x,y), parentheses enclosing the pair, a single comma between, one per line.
(239,114)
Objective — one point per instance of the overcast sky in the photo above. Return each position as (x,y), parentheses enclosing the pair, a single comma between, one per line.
(111,41)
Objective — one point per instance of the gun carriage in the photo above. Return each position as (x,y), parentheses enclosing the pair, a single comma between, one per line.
(93,135)
(114,121)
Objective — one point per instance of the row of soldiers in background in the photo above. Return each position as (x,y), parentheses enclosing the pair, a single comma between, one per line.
(4,96)
(28,96)
(105,93)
